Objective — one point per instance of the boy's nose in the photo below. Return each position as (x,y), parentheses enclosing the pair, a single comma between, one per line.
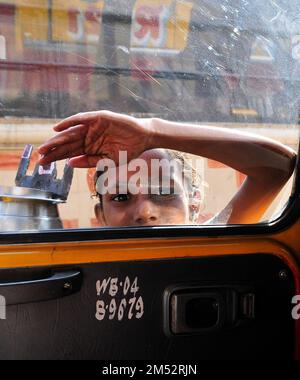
(145,212)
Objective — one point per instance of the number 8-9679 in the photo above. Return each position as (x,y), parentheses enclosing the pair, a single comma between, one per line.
(133,308)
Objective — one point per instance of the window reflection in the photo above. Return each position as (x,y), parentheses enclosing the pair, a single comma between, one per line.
(222,63)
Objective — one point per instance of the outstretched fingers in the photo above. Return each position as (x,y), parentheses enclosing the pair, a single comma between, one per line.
(73,139)
(62,152)
(74,120)
(64,138)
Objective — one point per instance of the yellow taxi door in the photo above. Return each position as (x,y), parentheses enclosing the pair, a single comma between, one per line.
(160,293)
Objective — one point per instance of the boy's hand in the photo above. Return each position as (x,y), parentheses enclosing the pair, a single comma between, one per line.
(87,137)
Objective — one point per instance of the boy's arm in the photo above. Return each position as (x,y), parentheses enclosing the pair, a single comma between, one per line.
(267,163)
(88,137)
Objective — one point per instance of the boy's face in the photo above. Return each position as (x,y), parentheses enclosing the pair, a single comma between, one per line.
(146,209)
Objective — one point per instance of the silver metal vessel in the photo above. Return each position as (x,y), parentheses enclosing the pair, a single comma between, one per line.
(23,209)
(32,204)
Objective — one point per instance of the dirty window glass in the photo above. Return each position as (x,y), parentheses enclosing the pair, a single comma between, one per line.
(219,63)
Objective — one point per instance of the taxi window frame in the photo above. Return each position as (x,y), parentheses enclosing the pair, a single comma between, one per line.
(286,219)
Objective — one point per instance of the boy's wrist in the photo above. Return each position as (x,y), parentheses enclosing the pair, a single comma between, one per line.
(157,133)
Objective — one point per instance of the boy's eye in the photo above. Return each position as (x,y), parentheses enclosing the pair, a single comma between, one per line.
(121,198)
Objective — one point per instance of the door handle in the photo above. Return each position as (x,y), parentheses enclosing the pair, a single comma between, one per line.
(191,309)
(57,285)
